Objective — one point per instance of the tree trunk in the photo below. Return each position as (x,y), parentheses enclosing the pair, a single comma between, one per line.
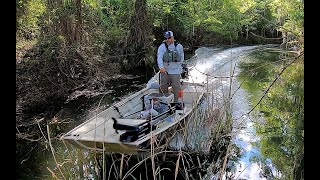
(78,30)
(69,24)
(284,40)
(139,40)
(247,33)
(140,26)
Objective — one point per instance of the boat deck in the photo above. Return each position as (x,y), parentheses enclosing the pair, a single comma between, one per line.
(98,133)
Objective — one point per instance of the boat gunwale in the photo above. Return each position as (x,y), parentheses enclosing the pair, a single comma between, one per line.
(114,107)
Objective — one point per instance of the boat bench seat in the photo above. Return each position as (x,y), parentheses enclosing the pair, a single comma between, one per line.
(131,122)
(129,110)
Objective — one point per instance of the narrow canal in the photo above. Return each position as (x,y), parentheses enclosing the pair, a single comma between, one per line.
(215,66)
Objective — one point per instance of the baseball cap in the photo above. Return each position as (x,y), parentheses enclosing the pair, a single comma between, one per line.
(168,34)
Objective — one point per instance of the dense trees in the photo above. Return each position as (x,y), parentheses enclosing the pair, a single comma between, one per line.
(127,22)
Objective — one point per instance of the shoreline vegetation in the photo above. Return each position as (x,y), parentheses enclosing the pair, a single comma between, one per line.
(66,50)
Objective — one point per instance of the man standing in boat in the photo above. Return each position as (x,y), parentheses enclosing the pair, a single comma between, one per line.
(170,58)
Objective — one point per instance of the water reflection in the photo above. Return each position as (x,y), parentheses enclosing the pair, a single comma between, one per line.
(244,138)
(271,142)
(216,66)
(251,155)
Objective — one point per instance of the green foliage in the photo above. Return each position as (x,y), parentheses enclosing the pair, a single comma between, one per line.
(290,18)
(94,4)
(28,15)
(263,23)
(116,13)
(162,12)
(115,20)
(192,20)
(230,16)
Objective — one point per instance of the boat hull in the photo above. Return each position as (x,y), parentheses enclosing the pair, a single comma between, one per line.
(99,133)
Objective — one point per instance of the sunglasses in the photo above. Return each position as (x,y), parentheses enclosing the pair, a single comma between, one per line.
(169,37)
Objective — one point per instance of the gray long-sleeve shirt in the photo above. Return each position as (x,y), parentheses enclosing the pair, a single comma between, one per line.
(172,67)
